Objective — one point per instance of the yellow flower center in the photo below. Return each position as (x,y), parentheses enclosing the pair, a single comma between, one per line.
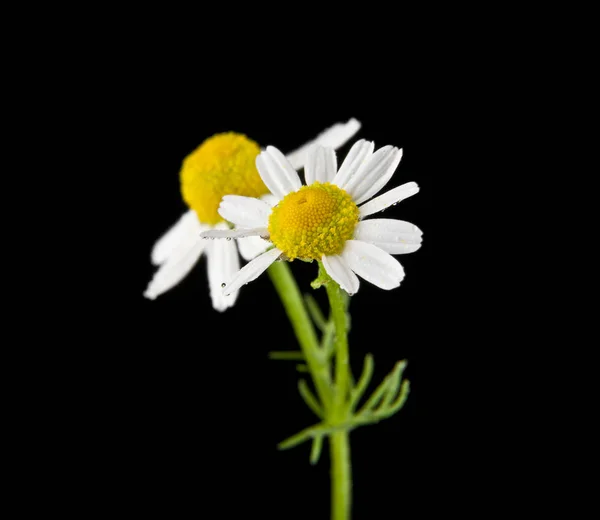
(314,221)
(224,164)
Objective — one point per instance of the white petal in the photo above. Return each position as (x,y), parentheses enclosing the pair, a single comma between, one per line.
(389,198)
(321,165)
(175,269)
(251,247)
(336,136)
(187,226)
(252,270)
(277,173)
(338,269)
(234,233)
(246,212)
(270,199)
(357,157)
(376,173)
(396,237)
(223,262)
(370,164)
(373,264)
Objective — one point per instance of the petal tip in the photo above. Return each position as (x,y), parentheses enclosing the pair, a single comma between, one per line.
(272,149)
(220,308)
(149,295)
(354,123)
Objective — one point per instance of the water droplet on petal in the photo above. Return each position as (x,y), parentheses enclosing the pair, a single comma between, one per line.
(223,284)
(228,238)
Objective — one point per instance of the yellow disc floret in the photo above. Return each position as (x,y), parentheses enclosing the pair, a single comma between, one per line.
(314,221)
(224,164)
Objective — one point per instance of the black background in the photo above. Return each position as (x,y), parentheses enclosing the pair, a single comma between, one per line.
(168,408)
(187,409)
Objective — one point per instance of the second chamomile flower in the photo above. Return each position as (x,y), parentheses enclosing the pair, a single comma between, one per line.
(322,220)
(223,164)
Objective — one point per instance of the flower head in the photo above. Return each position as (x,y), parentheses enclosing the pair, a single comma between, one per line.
(322,220)
(224,164)
(314,221)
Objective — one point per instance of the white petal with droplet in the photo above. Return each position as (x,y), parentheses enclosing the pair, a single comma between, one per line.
(223,263)
(389,198)
(252,270)
(233,233)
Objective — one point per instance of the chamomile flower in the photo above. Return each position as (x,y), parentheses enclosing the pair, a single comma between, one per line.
(323,220)
(223,164)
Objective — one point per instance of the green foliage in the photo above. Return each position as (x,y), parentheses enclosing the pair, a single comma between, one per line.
(385,401)
(340,414)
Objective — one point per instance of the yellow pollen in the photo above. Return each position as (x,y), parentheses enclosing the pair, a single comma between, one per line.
(314,221)
(224,164)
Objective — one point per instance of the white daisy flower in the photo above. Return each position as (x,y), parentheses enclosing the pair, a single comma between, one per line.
(323,219)
(223,164)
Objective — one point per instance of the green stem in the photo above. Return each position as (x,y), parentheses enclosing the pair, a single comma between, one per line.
(341,478)
(336,407)
(339,442)
(288,291)
(342,369)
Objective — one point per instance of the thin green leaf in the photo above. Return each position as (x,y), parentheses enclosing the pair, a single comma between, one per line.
(317,447)
(310,399)
(363,381)
(315,430)
(298,438)
(394,385)
(376,396)
(315,312)
(294,355)
(374,417)
(400,400)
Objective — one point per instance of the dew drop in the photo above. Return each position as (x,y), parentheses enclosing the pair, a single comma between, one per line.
(223,284)
(228,238)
